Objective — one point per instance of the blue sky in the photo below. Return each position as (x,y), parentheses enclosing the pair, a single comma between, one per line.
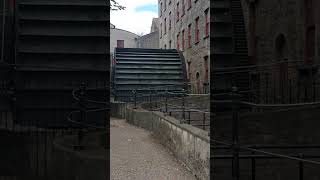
(147,7)
(137,17)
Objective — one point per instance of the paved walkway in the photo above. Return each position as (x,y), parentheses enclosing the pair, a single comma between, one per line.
(136,155)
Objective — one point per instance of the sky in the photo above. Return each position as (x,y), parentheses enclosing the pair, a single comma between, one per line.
(137,17)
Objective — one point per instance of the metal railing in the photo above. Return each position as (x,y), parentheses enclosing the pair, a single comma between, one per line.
(239,151)
(177,104)
(83,101)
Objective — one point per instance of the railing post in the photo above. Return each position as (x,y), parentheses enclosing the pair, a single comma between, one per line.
(235,135)
(183,107)
(204,121)
(82,106)
(253,166)
(135,98)
(156,99)
(301,165)
(166,101)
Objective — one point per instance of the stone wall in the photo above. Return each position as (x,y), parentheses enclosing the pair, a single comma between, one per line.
(149,41)
(189,144)
(118,109)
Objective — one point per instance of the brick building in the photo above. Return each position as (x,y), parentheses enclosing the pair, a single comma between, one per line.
(279,31)
(184,25)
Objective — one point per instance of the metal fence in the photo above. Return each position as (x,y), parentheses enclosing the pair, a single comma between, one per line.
(274,86)
(177,104)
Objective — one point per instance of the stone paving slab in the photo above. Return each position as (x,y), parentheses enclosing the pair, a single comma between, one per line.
(135,154)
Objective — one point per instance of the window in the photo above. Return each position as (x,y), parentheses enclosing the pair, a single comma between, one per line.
(183,8)
(165,25)
(189,35)
(160,30)
(189,70)
(197,30)
(170,44)
(189,4)
(207,22)
(206,69)
(169,20)
(178,44)
(120,43)
(183,40)
(165,46)
(160,9)
(177,12)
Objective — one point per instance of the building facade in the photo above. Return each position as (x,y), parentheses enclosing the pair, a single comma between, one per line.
(122,38)
(184,25)
(280,31)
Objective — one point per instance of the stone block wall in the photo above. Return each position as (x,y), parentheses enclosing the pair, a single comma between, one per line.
(189,144)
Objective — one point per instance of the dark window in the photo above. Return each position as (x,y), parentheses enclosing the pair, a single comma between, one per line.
(160,30)
(197,30)
(206,69)
(165,25)
(169,20)
(120,43)
(183,40)
(189,70)
(161,9)
(178,43)
(177,12)
(183,8)
(207,22)
(189,35)
(170,44)
(165,46)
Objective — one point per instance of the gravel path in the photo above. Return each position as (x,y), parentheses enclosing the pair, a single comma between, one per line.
(136,155)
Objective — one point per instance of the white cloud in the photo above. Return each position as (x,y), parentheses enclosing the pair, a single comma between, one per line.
(129,19)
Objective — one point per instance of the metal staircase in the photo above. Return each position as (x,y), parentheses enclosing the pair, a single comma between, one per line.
(147,70)
(229,43)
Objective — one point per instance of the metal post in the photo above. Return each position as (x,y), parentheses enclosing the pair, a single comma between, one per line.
(183,107)
(3,30)
(204,121)
(166,100)
(189,117)
(253,167)
(301,165)
(235,135)
(82,91)
(135,98)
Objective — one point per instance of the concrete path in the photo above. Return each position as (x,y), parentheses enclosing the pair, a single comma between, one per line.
(136,155)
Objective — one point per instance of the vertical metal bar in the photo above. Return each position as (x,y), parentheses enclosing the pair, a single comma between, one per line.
(189,117)
(135,98)
(183,107)
(166,100)
(204,121)
(3,29)
(267,88)
(290,91)
(301,165)
(235,135)
(314,89)
(253,167)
